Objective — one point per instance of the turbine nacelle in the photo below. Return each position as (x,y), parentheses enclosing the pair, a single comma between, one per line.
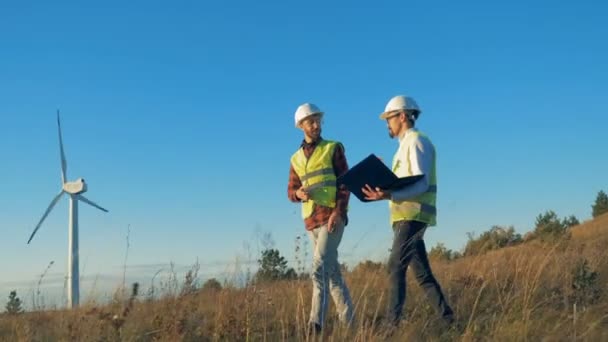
(76,187)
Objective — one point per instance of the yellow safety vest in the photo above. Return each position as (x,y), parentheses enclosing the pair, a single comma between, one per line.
(421,208)
(317,175)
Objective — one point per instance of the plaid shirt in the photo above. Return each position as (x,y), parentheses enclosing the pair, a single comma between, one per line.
(320,214)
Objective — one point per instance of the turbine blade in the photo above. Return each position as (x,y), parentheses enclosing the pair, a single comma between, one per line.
(64,163)
(46,213)
(91,203)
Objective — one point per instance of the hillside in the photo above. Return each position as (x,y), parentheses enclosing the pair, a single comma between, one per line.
(532,291)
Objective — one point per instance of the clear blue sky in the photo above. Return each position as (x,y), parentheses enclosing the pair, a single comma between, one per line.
(180,117)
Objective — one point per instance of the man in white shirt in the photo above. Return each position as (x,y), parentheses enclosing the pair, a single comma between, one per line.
(412,208)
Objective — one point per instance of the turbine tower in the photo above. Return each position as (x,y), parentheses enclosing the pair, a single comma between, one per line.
(74,189)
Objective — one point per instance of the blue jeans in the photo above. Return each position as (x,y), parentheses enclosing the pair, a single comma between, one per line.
(409,249)
(326,276)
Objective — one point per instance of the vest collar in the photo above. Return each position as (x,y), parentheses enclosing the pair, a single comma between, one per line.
(305,144)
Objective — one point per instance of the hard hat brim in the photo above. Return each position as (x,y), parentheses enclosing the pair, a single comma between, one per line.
(394,112)
(390,113)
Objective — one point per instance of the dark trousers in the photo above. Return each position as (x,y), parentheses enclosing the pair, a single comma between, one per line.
(409,249)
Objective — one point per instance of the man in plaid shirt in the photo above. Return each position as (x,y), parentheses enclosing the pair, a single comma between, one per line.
(314,169)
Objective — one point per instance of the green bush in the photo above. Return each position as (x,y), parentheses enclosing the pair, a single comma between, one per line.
(601,204)
(495,238)
(585,289)
(549,228)
(14,304)
(441,252)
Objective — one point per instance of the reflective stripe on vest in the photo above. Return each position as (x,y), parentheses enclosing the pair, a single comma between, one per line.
(321,184)
(327,171)
(421,208)
(317,176)
(424,208)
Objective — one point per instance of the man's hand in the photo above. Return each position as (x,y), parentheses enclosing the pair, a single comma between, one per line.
(375,194)
(334,221)
(302,194)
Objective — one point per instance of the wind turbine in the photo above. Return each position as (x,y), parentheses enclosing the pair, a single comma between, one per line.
(74,189)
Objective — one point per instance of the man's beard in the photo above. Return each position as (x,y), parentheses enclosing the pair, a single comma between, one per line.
(314,135)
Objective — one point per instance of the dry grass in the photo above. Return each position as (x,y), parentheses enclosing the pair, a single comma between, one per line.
(522,293)
(592,228)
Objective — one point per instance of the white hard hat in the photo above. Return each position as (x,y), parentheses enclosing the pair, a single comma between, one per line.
(305,110)
(399,103)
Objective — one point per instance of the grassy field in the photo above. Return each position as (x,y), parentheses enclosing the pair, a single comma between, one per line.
(529,292)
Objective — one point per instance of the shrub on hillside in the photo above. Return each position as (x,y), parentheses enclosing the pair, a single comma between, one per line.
(273,266)
(441,252)
(585,287)
(549,228)
(601,204)
(571,221)
(212,285)
(14,304)
(368,267)
(495,238)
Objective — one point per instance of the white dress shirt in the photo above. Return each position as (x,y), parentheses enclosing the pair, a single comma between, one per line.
(419,152)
